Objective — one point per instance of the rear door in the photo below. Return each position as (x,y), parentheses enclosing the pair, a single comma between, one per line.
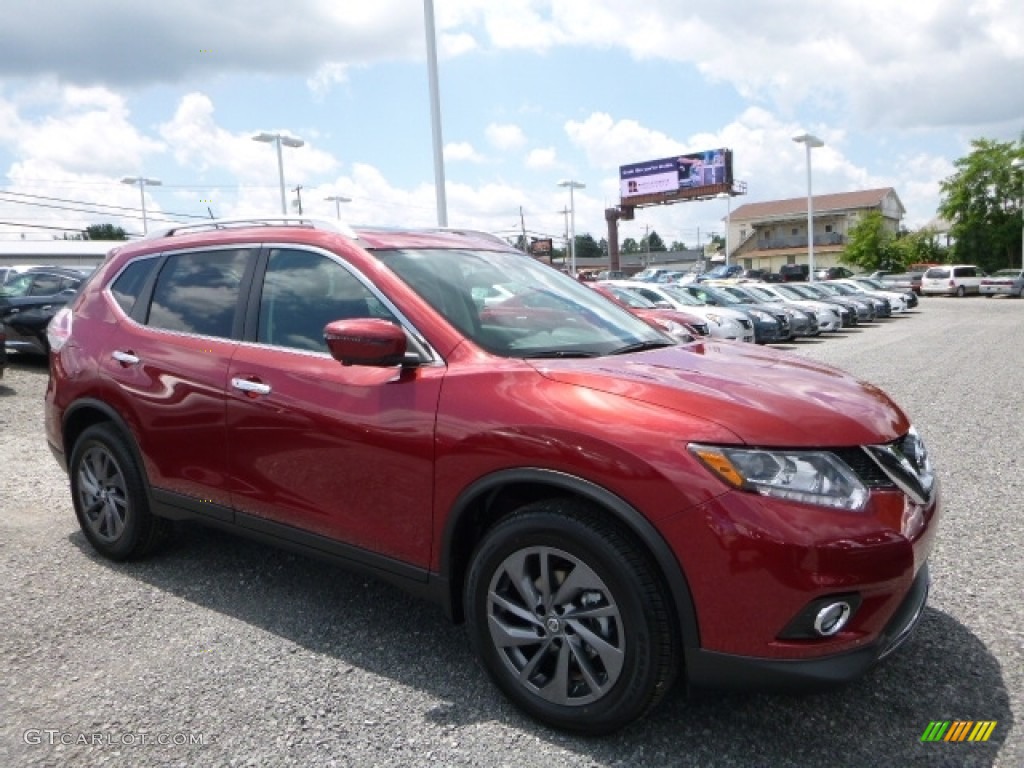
(169,363)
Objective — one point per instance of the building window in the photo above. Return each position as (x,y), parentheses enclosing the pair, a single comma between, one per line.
(793,231)
(766,234)
(828,227)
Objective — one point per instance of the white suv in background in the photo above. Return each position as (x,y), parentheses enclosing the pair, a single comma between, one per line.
(952,280)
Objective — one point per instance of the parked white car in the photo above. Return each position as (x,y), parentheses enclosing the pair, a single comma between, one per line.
(1004,282)
(952,280)
(723,323)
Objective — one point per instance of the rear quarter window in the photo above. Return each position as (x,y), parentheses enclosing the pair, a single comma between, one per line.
(129,285)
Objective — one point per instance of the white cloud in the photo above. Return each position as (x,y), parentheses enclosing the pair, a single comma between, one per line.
(505,136)
(542,159)
(461,151)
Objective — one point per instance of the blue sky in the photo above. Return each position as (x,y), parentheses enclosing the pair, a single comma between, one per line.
(532,92)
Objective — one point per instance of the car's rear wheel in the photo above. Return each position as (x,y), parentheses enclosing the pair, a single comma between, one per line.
(961,291)
(109,496)
(570,618)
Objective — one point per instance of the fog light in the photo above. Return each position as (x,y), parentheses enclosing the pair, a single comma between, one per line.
(823,617)
(832,618)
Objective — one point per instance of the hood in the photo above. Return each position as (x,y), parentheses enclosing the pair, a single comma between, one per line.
(765,397)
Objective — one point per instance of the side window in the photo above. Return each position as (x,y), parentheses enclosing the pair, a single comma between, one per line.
(130,283)
(302,292)
(45,285)
(197,292)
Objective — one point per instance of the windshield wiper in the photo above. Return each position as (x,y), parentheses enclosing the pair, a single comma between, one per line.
(558,353)
(641,346)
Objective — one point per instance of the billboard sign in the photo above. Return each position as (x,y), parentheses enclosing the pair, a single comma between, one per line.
(681,176)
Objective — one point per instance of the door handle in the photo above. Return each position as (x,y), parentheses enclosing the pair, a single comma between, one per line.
(250,387)
(125,358)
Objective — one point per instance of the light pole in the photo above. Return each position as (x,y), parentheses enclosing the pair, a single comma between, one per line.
(810,142)
(572,185)
(728,216)
(278,139)
(338,200)
(142,181)
(1017,165)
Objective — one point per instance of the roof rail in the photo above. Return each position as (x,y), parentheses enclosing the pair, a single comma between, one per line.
(469,231)
(267,221)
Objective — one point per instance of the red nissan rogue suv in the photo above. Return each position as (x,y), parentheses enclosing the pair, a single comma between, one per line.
(606,509)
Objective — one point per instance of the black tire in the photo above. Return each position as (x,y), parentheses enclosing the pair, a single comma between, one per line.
(593,674)
(109,496)
(961,292)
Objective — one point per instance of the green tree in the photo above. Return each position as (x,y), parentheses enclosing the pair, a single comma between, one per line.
(677,245)
(104,232)
(870,244)
(587,247)
(982,202)
(629,245)
(652,242)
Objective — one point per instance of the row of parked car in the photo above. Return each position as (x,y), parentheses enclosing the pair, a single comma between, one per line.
(763,313)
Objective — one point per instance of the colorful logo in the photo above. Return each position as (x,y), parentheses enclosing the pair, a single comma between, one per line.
(958,730)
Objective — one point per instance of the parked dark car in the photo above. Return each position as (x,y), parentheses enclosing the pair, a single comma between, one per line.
(30,299)
(721,272)
(3,349)
(832,273)
(793,272)
(606,509)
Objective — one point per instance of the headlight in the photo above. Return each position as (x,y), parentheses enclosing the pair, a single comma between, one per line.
(678,331)
(764,317)
(716,319)
(811,477)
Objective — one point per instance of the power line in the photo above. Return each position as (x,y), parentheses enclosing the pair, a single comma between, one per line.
(119,210)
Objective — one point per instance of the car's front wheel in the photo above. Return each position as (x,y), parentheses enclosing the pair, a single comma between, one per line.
(570,619)
(109,496)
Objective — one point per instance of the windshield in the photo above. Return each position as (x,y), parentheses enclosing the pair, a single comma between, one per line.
(628,297)
(544,314)
(764,295)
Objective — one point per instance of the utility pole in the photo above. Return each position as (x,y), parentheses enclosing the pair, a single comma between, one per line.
(298,197)
(522,226)
(565,212)
(647,239)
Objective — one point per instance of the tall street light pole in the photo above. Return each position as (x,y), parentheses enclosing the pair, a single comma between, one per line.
(435,114)
(142,181)
(810,142)
(572,185)
(338,200)
(279,139)
(728,217)
(1017,165)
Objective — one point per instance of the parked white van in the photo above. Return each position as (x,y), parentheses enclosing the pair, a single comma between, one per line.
(952,280)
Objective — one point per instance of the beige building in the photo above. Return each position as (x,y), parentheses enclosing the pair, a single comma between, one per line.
(768,235)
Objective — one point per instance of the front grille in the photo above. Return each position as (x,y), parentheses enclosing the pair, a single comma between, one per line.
(748,324)
(701,328)
(864,467)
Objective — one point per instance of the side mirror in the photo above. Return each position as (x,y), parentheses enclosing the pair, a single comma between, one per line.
(366,341)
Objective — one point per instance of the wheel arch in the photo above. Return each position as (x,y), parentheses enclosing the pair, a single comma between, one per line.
(490,499)
(88,412)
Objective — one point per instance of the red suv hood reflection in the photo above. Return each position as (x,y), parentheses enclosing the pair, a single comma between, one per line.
(763,397)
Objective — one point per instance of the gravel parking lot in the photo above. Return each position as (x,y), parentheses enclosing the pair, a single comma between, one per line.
(220,651)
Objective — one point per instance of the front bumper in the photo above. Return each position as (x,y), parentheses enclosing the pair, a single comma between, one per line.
(723,670)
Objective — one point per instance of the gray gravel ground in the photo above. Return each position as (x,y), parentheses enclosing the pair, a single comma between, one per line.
(220,651)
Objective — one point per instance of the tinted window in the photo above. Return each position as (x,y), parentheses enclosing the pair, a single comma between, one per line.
(45,285)
(933,274)
(963,272)
(129,284)
(198,292)
(304,291)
